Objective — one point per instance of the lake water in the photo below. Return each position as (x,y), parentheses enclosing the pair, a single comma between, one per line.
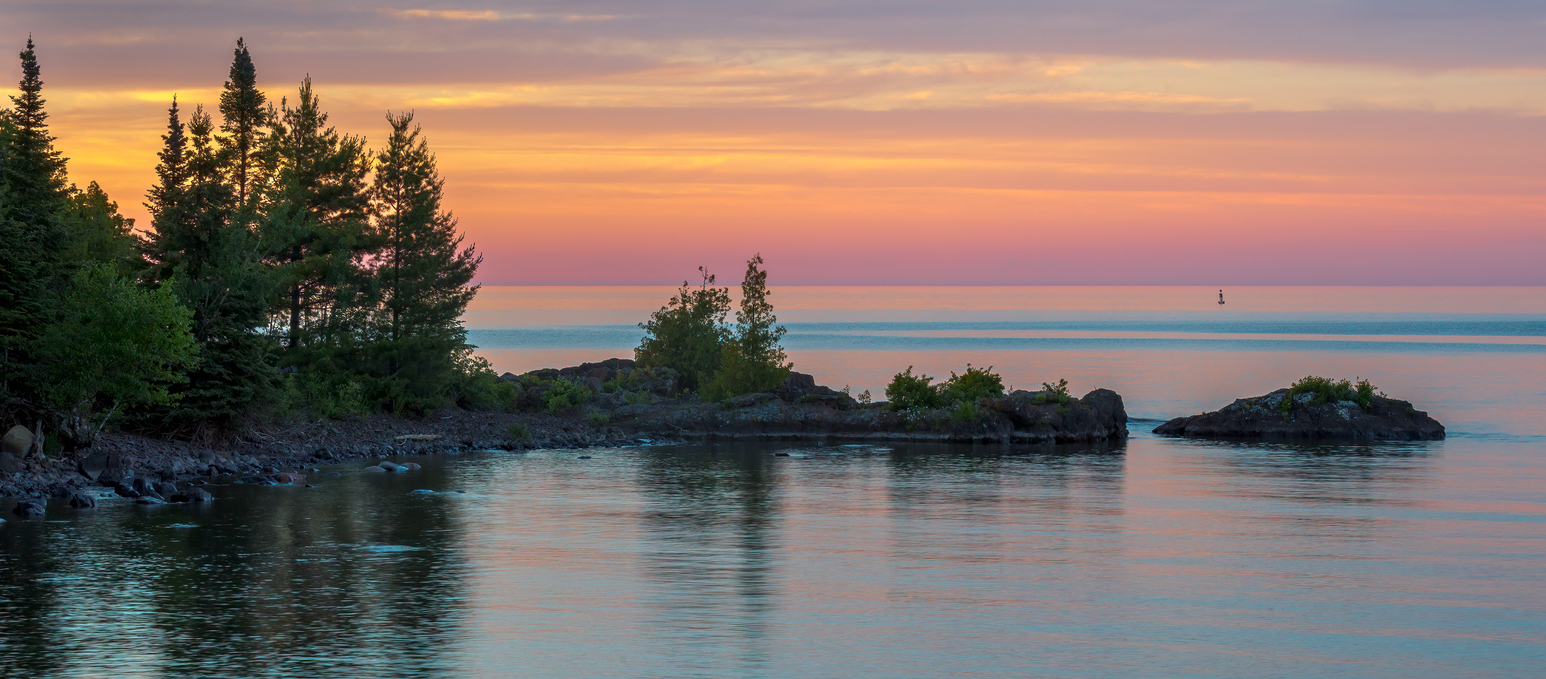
(1157,558)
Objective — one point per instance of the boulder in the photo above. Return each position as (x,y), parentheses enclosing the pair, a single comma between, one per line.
(290,478)
(149,500)
(82,500)
(193,496)
(1266,417)
(257,481)
(802,388)
(387,465)
(9,464)
(28,508)
(125,491)
(16,441)
(166,489)
(373,469)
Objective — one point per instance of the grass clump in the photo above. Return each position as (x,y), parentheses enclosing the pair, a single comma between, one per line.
(517,432)
(1327,390)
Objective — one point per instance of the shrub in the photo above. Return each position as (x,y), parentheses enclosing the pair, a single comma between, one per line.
(1054,393)
(565,394)
(517,432)
(975,383)
(908,391)
(1327,390)
(966,411)
(597,419)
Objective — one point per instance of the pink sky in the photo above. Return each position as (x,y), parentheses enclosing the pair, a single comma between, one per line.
(889,142)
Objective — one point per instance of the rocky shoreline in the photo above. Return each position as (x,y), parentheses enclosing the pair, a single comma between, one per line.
(118,459)
(619,406)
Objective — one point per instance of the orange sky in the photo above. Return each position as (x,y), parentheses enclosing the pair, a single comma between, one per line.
(888,141)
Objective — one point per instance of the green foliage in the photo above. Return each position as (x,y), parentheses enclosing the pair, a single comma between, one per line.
(1327,390)
(975,383)
(517,432)
(908,391)
(597,419)
(481,389)
(753,360)
(315,202)
(565,394)
(242,106)
(113,343)
(32,201)
(95,231)
(966,411)
(332,395)
(1054,393)
(215,268)
(688,334)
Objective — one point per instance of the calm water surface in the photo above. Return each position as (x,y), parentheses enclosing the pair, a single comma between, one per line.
(1157,558)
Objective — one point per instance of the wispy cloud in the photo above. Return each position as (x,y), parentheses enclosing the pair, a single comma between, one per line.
(490,15)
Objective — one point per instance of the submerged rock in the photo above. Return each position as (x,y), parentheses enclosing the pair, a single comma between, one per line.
(82,501)
(1266,417)
(28,508)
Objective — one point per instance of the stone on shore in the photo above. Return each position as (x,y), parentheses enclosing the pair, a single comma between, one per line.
(1263,417)
(9,464)
(16,441)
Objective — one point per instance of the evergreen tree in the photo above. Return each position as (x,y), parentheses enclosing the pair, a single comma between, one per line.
(316,215)
(753,360)
(422,272)
(32,201)
(215,268)
(243,118)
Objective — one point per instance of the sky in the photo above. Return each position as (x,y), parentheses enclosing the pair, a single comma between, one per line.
(887,142)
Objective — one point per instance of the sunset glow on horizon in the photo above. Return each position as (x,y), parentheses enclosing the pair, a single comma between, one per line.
(890,142)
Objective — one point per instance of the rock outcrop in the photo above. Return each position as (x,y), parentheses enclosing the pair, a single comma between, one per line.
(1021,417)
(1265,417)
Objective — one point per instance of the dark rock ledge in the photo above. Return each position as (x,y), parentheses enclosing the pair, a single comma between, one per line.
(612,417)
(1262,417)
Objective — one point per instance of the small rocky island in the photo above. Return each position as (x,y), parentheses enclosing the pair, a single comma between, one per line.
(1313,408)
(644,401)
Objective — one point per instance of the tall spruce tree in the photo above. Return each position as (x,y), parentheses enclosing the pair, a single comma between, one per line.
(316,216)
(215,267)
(244,117)
(422,271)
(33,199)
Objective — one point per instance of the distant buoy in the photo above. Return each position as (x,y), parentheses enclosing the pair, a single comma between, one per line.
(1221,297)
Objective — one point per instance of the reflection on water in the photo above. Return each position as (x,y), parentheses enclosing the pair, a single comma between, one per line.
(1157,558)
(265,582)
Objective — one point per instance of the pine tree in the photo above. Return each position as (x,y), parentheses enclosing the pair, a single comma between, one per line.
(244,116)
(316,212)
(214,267)
(32,200)
(422,270)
